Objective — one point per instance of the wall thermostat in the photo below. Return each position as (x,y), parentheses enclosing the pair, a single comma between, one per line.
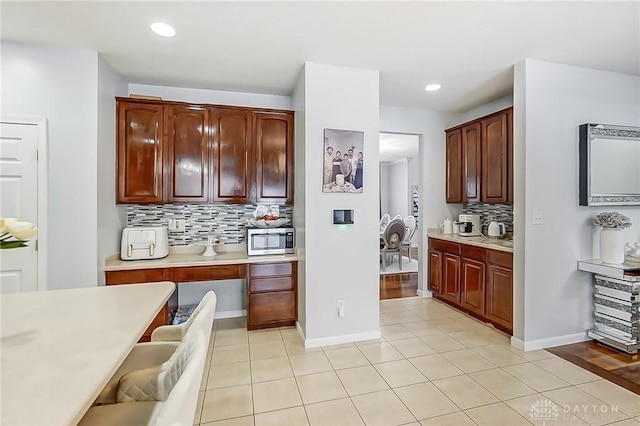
(343,217)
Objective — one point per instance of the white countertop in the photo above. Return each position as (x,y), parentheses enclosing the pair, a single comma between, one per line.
(192,256)
(60,347)
(480,241)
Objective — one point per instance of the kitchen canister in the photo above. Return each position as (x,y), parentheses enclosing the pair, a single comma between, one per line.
(448,226)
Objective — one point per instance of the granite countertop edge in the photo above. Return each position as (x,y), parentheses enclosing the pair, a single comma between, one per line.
(189,256)
(480,241)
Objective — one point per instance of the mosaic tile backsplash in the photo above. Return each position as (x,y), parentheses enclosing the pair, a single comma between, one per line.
(226,220)
(499,212)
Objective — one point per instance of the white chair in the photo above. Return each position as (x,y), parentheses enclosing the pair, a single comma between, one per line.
(167,339)
(410,229)
(398,216)
(160,395)
(392,237)
(175,333)
(384,221)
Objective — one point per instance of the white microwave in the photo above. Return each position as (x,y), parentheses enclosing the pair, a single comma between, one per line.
(270,241)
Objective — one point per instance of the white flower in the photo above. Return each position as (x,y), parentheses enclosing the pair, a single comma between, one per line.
(612,220)
(13,232)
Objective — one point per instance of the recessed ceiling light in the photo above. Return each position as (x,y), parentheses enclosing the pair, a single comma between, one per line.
(433,87)
(163,29)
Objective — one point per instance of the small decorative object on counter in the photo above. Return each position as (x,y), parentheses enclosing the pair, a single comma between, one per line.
(633,252)
(14,233)
(611,236)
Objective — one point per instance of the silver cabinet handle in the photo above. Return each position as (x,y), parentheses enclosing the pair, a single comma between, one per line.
(129,249)
(151,249)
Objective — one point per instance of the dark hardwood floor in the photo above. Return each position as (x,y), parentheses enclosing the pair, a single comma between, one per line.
(393,286)
(617,367)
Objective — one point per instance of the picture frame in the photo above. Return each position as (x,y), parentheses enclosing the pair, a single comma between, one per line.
(343,161)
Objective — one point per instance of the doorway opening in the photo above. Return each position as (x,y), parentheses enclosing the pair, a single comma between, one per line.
(399,198)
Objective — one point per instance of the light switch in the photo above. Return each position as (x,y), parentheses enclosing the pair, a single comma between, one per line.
(537,217)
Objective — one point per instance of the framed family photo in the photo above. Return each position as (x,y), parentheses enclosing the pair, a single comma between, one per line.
(343,164)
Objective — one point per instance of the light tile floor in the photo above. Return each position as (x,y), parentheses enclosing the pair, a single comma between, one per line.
(432,366)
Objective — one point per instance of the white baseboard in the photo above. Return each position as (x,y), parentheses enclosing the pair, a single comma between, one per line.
(231,314)
(549,342)
(337,340)
(425,293)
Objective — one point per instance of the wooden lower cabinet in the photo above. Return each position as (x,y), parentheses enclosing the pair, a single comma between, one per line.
(272,295)
(435,271)
(476,280)
(499,296)
(451,277)
(271,289)
(472,286)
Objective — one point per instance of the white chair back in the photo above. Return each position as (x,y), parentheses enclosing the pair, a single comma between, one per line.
(398,216)
(394,234)
(384,221)
(180,406)
(410,225)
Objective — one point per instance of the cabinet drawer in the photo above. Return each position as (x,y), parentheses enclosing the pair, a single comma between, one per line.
(135,276)
(500,258)
(271,307)
(472,252)
(209,273)
(444,246)
(271,284)
(270,269)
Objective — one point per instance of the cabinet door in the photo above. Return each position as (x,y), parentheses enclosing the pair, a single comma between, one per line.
(231,155)
(139,152)
(187,154)
(499,296)
(453,148)
(274,157)
(451,277)
(435,271)
(471,162)
(472,286)
(494,159)
(271,309)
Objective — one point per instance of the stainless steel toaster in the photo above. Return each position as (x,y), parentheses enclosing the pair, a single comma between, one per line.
(140,242)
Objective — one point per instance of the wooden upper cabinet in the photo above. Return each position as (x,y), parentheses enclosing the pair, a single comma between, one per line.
(232,155)
(494,159)
(454,166)
(510,156)
(187,154)
(471,162)
(139,142)
(274,157)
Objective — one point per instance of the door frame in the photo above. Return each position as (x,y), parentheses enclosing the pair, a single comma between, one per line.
(43,190)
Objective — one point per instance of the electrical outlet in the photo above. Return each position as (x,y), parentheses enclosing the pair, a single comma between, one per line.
(172,225)
(340,308)
(181,225)
(537,217)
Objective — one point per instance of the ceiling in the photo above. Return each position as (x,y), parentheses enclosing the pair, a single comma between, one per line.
(261,46)
(394,147)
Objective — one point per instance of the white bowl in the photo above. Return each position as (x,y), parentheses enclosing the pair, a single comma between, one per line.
(267,223)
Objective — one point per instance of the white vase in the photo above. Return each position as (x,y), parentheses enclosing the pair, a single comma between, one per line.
(611,245)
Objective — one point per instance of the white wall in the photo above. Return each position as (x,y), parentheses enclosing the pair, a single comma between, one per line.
(212,96)
(551,101)
(399,188)
(300,199)
(62,86)
(111,218)
(341,262)
(384,188)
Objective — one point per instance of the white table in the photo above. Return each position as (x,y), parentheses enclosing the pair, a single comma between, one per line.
(59,348)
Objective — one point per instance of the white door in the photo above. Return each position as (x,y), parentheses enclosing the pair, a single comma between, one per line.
(19,199)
